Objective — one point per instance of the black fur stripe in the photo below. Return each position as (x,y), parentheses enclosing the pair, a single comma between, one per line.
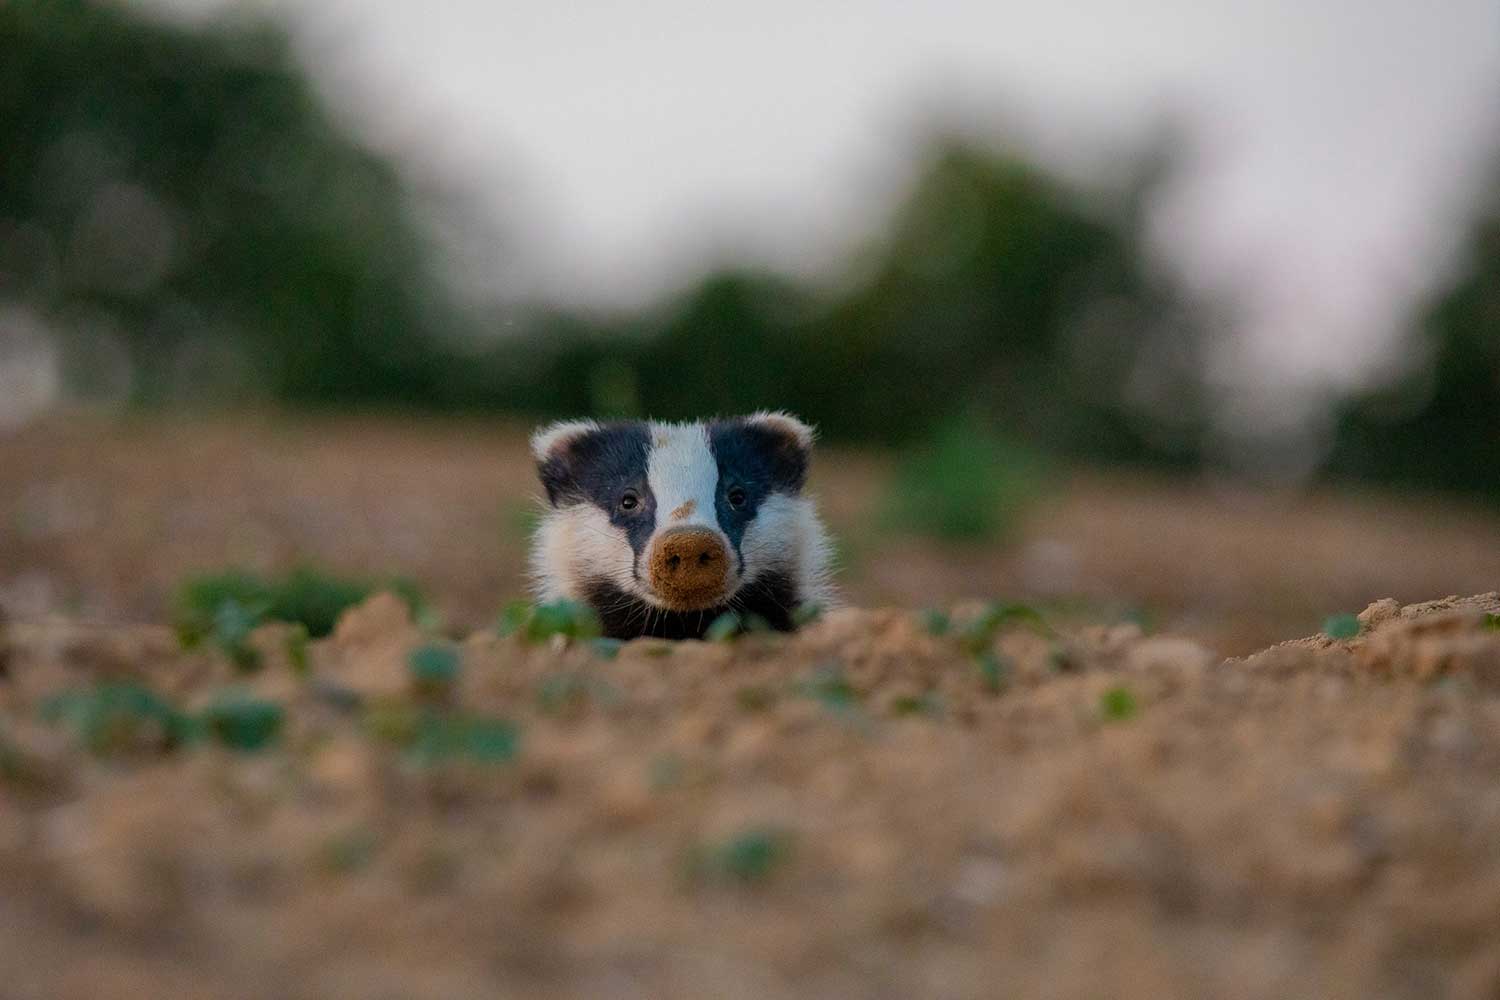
(624,616)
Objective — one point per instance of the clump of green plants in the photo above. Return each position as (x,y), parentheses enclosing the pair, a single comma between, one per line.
(434,669)
(748,857)
(978,633)
(1344,626)
(828,685)
(1117,704)
(1491,622)
(731,625)
(995,671)
(540,622)
(963,483)
(118,716)
(936,622)
(224,608)
(243,722)
(429,736)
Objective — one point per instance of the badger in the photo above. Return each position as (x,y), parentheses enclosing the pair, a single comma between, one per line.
(661,528)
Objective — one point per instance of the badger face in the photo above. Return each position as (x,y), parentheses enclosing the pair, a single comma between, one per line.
(661,527)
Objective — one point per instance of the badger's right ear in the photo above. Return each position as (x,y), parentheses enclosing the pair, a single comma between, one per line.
(551,447)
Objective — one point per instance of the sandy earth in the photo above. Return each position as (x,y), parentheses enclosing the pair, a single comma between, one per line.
(101,519)
(858,810)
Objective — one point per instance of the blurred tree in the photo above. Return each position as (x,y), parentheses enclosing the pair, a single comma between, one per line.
(1437,426)
(185,192)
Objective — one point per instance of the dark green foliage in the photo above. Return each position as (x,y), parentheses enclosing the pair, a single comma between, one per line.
(225,607)
(994,671)
(750,856)
(434,667)
(211,210)
(936,622)
(540,622)
(964,483)
(1491,622)
(1117,704)
(430,736)
(1345,626)
(242,722)
(1436,425)
(118,716)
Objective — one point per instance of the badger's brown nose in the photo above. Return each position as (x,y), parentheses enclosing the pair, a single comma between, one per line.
(688,567)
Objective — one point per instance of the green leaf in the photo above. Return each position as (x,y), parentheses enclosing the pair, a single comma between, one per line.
(1343,626)
(242,722)
(1117,704)
(724,628)
(434,666)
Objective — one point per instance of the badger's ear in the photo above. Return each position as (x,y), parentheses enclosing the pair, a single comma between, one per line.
(783,423)
(784,444)
(552,447)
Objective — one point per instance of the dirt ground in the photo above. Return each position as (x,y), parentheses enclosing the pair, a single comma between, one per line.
(863,809)
(100,520)
(882,805)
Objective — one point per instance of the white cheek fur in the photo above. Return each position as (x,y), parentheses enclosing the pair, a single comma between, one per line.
(578,542)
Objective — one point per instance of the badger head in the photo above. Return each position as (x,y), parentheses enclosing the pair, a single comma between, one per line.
(661,526)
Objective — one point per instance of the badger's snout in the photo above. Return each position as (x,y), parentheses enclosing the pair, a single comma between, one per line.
(688,568)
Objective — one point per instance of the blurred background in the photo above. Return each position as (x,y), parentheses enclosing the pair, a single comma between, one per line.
(1187,313)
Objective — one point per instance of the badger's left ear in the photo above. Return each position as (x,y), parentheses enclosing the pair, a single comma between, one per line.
(784,443)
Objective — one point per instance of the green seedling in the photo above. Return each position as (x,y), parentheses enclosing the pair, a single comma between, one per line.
(1117,704)
(976,635)
(806,613)
(565,618)
(1345,626)
(296,650)
(232,624)
(1491,622)
(305,596)
(725,628)
(928,704)
(606,648)
(119,715)
(936,622)
(429,736)
(242,722)
(434,668)
(828,685)
(994,671)
(513,617)
(748,857)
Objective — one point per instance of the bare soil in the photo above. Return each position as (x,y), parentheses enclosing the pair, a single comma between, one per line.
(857,810)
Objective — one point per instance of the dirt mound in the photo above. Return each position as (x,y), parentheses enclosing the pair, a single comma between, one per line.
(880,805)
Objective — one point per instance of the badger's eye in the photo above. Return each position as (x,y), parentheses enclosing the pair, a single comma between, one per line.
(630,501)
(737,497)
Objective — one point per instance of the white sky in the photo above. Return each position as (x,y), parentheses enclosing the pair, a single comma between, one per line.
(627,145)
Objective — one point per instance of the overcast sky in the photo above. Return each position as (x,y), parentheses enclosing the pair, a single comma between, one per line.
(627,145)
